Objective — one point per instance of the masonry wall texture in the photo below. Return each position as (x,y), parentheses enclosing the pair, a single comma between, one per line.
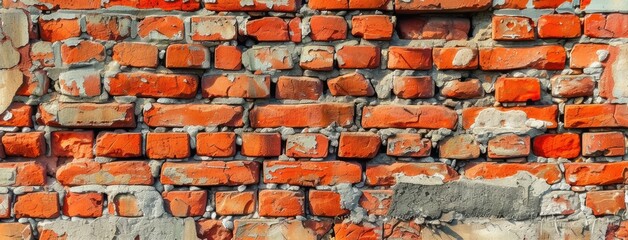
(313,119)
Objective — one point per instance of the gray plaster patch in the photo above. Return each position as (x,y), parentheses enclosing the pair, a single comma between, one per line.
(514,198)
(7,176)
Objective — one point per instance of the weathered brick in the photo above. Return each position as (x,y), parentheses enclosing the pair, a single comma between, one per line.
(306,115)
(167,145)
(82,52)
(298,88)
(358,145)
(193,114)
(213,28)
(210,173)
(160,28)
(37,205)
(549,172)
(28,145)
(268,29)
(607,144)
(433,28)
(72,144)
(548,114)
(606,202)
(84,82)
(107,27)
(318,58)
(236,85)
(216,144)
(147,84)
(212,229)
(185,203)
(596,115)
(470,88)
(311,174)
(118,145)
(409,58)
(307,145)
(584,55)
(571,86)
(509,146)
(289,229)
(512,28)
(376,202)
(112,173)
(352,84)
(49,28)
(372,27)
(410,87)
(517,89)
(265,58)
(235,203)
(408,116)
(254,6)
(455,58)
(127,54)
(25,173)
(15,230)
(187,56)
(358,57)
(550,57)
(325,204)
(385,175)
(459,147)
(613,25)
(328,28)
(409,145)
(261,144)
(85,205)
(582,174)
(559,26)
(441,5)
(228,58)
(349,230)
(281,203)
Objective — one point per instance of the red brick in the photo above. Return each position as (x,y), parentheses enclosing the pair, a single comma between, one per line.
(358,145)
(410,87)
(105,27)
(512,28)
(455,58)
(85,205)
(56,4)
(596,116)
(268,58)
(550,57)
(222,144)
(182,5)
(82,52)
(565,145)
(126,54)
(210,173)
(606,202)
(328,5)
(80,83)
(372,27)
(37,205)
(268,29)
(318,58)
(281,203)
(307,145)
(72,144)
(213,28)
(549,172)
(376,202)
(433,28)
(358,57)
(259,229)
(147,84)
(41,53)
(409,145)
(255,6)
(228,58)
(164,115)
(398,229)
(20,115)
(325,204)
(509,146)
(187,56)
(613,25)
(570,86)
(441,5)
(385,175)
(294,30)
(235,203)
(28,145)
(583,55)
(15,230)
(310,174)
(371,4)
(304,115)
(236,85)
(470,88)
(365,231)
(125,205)
(548,114)
(298,88)
(409,58)
(185,203)
(459,147)
(118,145)
(517,89)
(559,26)
(212,229)
(261,144)
(352,84)
(523,4)
(29,173)
(582,174)
(607,144)
(161,28)
(112,173)
(328,28)
(167,145)
(409,116)
(50,29)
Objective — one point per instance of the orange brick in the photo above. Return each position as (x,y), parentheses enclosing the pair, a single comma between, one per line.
(281,203)
(348,231)
(236,85)
(228,58)
(82,52)
(221,144)
(106,27)
(328,28)
(179,115)
(167,145)
(517,89)
(565,145)
(118,145)
(570,86)
(311,174)
(467,89)
(583,55)
(37,205)
(235,203)
(409,145)
(328,5)
(512,28)
(85,205)
(359,145)
(549,172)
(613,25)
(268,29)
(187,56)
(112,173)
(606,202)
(28,145)
(409,58)
(372,27)
(548,114)
(376,202)
(210,173)
(254,6)
(307,145)
(411,87)
(161,28)
(550,57)
(409,116)
(352,84)
(607,144)
(441,5)
(508,146)
(596,115)
(325,204)
(125,53)
(49,29)
(147,84)
(559,26)
(26,173)
(384,175)
(185,203)
(261,144)
(318,58)
(303,115)
(80,83)
(582,174)
(414,27)
(457,58)
(212,229)
(298,88)
(358,57)
(459,147)
(125,205)
(213,28)
(72,144)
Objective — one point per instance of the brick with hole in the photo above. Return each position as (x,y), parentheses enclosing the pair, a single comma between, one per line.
(261,144)
(235,203)
(167,145)
(185,203)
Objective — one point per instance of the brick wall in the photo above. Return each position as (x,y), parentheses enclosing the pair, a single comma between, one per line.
(319,119)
